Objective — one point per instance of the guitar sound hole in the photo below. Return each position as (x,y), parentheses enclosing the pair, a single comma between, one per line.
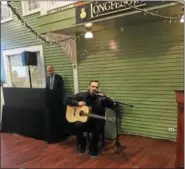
(81,113)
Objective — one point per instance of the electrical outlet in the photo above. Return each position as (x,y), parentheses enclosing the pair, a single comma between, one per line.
(171,129)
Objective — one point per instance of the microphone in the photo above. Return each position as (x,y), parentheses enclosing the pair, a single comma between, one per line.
(100,94)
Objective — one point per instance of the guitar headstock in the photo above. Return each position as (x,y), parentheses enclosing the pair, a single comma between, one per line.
(110,119)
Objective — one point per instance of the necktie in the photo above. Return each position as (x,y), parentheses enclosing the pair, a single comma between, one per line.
(51,82)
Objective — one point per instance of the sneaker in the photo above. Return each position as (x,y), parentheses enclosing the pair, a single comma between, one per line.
(93,153)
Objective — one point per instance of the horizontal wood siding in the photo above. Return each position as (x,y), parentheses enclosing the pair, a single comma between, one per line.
(57,21)
(144,71)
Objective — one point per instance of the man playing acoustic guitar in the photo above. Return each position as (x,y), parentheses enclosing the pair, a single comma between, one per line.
(98,102)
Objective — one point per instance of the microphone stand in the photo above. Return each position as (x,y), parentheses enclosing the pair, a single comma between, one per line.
(119,146)
(29,72)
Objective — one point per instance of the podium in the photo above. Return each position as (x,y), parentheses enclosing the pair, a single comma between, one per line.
(26,112)
(180,129)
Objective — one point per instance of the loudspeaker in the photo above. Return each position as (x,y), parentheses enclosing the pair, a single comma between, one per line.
(29,58)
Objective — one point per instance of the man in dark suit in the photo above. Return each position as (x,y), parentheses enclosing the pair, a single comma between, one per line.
(54,81)
(55,88)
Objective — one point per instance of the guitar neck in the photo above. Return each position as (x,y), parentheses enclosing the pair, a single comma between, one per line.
(95,116)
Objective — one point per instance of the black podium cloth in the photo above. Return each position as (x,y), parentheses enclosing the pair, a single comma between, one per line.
(34,113)
(25,121)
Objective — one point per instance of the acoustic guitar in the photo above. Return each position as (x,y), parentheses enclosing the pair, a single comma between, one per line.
(82,113)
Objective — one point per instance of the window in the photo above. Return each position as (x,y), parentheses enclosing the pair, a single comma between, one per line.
(30,7)
(55,4)
(17,74)
(6,13)
(51,6)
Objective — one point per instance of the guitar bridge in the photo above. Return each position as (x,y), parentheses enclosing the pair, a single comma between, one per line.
(74,113)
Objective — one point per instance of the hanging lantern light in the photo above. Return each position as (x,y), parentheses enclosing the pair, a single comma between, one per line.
(88,35)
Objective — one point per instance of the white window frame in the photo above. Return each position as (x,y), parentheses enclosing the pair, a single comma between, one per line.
(26,12)
(7,53)
(46,7)
(58,5)
(8,19)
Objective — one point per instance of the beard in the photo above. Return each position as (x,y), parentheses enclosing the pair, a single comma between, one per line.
(93,93)
(50,74)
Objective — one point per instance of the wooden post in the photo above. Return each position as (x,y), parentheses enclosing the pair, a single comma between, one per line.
(180,129)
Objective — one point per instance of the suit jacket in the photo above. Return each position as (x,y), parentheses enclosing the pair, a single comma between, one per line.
(58,83)
(58,88)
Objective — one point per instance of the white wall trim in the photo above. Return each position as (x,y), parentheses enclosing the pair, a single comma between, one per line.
(75,78)
(2,103)
(7,20)
(37,48)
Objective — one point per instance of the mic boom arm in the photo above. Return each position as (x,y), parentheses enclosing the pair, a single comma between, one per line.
(116,103)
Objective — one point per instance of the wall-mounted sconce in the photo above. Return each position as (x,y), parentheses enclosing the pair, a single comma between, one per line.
(88,25)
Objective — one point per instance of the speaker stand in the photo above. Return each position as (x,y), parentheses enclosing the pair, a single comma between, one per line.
(29,72)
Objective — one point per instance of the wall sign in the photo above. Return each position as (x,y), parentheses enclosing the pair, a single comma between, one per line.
(100,9)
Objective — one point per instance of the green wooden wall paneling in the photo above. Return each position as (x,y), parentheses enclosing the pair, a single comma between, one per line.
(145,71)
(64,24)
(57,16)
(57,21)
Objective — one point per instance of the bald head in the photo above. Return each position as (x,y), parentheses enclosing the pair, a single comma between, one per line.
(50,69)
